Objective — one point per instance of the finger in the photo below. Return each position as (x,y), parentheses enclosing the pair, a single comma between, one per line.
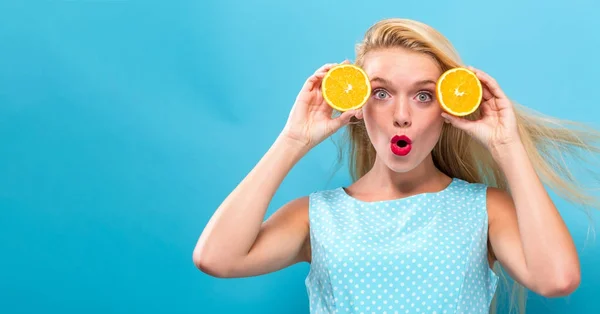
(486,108)
(343,119)
(490,82)
(461,123)
(312,81)
(322,71)
(325,68)
(487,95)
(359,114)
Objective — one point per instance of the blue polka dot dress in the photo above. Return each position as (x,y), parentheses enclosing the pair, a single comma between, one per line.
(425,253)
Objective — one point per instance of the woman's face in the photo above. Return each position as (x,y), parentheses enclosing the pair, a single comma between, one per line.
(402,117)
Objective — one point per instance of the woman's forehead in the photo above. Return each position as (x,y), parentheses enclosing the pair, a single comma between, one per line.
(400,65)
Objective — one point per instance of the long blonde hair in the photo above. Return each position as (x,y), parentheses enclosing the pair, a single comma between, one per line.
(546,139)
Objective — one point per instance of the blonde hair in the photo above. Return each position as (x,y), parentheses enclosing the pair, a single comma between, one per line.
(546,139)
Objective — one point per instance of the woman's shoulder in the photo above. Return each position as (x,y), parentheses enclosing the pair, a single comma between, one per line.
(303,202)
(471,186)
(492,193)
(326,194)
(493,198)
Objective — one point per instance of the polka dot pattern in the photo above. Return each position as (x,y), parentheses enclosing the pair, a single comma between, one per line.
(421,254)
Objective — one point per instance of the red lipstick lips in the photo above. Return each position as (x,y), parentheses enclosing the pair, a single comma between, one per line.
(401,145)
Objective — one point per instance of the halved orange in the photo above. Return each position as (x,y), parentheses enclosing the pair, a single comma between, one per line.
(459,91)
(346,87)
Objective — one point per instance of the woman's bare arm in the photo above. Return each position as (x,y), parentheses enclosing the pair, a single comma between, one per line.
(236,242)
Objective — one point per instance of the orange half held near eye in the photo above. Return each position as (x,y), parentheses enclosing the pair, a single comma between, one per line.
(346,87)
(459,91)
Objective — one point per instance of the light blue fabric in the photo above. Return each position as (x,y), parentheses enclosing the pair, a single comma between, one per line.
(426,253)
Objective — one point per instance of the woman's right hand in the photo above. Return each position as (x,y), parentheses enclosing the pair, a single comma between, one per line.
(310,120)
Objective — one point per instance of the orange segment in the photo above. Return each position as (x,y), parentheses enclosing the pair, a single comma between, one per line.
(346,87)
(459,91)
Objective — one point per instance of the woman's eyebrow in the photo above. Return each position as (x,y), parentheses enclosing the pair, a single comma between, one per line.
(386,82)
(381,80)
(425,82)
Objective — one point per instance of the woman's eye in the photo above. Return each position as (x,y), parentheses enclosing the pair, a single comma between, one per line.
(380,94)
(424,97)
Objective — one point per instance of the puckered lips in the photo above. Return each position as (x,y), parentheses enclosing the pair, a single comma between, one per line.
(401,145)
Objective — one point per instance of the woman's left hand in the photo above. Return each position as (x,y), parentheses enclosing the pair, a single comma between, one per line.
(497,125)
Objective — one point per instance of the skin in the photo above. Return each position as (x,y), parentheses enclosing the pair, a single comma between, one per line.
(526,233)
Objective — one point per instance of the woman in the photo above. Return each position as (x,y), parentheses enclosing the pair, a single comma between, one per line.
(414,233)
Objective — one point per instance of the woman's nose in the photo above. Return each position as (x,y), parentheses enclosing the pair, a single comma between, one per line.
(402,118)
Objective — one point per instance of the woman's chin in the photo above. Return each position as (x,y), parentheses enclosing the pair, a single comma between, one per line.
(401,164)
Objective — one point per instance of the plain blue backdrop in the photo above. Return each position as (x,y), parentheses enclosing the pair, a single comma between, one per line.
(124,124)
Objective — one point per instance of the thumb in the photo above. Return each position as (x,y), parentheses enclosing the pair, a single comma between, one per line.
(343,119)
(458,122)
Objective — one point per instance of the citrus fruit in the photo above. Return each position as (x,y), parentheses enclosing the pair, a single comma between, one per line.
(346,87)
(459,91)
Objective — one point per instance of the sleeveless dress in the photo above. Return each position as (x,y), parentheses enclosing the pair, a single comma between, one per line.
(426,253)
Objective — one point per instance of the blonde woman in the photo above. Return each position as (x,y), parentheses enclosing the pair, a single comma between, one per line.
(429,212)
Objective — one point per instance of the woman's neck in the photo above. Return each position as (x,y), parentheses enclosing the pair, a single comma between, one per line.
(382,182)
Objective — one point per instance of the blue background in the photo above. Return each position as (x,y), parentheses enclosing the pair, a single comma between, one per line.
(124,124)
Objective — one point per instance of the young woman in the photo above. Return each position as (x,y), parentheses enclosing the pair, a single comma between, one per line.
(416,232)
